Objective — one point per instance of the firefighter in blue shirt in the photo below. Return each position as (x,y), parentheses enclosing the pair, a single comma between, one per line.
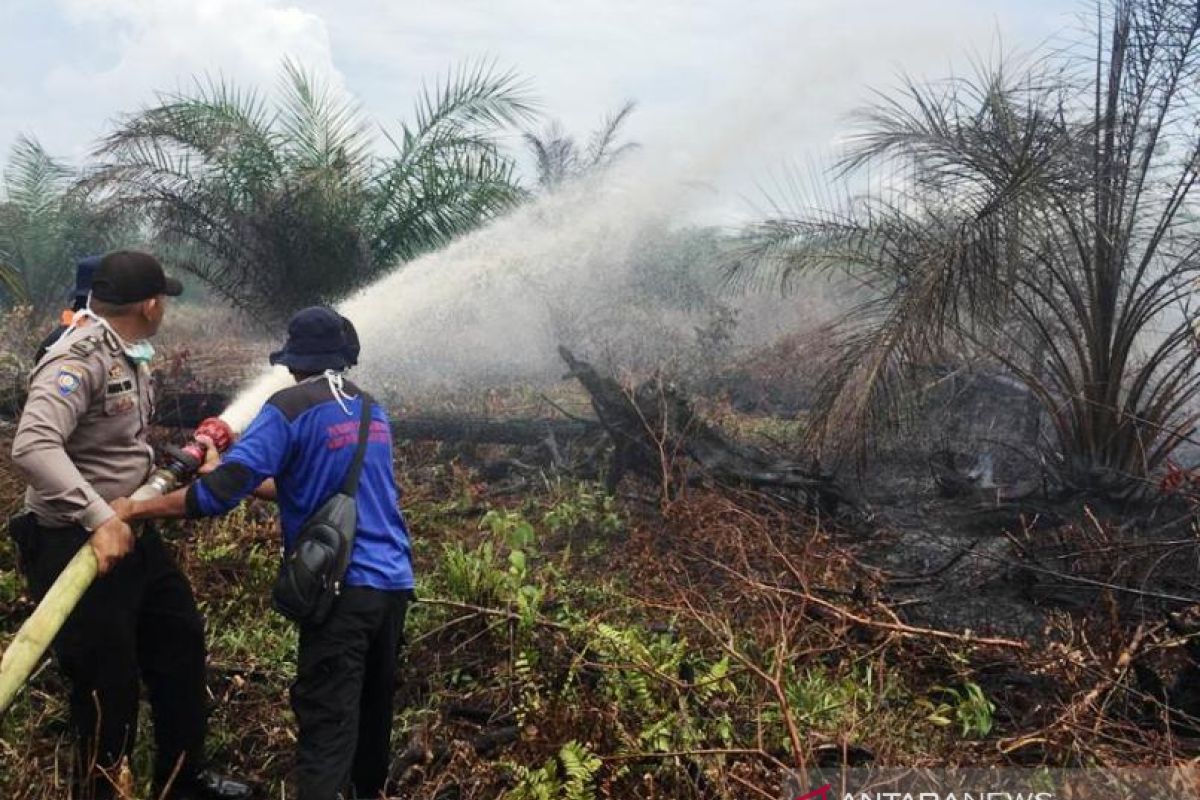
(304,439)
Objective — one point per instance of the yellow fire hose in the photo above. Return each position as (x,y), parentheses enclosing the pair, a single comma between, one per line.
(35,636)
(33,639)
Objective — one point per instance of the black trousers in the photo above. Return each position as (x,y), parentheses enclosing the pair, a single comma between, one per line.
(138,621)
(342,696)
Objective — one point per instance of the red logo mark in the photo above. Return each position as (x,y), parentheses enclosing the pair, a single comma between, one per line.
(822,793)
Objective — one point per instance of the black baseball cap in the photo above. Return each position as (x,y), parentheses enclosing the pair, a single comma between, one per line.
(128,276)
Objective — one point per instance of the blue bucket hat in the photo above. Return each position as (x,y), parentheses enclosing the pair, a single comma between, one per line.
(318,339)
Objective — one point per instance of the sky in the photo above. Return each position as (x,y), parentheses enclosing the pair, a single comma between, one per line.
(763,83)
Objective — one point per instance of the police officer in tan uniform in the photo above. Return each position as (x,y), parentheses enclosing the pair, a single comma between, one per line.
(81,442)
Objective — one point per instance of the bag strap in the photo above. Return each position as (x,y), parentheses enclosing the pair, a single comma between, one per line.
(350,487)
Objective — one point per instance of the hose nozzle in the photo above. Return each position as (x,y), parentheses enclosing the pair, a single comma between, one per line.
(182,462)
(216,431)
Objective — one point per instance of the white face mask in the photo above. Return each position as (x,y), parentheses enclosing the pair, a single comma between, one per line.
(140,352)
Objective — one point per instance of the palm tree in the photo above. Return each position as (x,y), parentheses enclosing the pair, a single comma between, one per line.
(1043,218)
(559,157)
(45,227)
(281,205)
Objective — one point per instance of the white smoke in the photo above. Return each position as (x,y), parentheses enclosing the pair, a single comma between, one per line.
(494,305)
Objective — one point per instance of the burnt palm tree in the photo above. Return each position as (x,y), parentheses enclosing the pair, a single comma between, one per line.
(1043,217)
(559,157)
(286,204)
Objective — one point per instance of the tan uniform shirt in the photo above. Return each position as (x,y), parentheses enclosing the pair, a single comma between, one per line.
(81,440)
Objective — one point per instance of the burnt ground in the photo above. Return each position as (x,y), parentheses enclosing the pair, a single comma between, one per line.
(958,520)
(613,633)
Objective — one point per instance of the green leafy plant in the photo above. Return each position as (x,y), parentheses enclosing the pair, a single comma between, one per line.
(473,576)
(584,505)
(644,658)
(510,527)
(479,576)
(821,698)
(569,777)
(642,674)
(967,705)
(11,587)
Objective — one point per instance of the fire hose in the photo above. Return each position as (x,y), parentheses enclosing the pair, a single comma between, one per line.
(36,634)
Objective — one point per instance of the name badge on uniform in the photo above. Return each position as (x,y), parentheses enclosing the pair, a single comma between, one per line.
(69,380)
(119,391)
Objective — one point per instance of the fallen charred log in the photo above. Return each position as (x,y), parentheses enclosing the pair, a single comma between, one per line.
(422,750)
(657,434)
(652,428)
(491,431)
(1179,697)
(189,409)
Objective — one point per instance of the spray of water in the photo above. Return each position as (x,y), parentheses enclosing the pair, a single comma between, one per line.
(497,302)
(494,305)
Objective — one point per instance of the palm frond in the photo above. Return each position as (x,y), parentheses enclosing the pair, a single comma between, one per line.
(12,286)
(447,174)
(33,181)
(602,148)
(558,158)
(473,96)
(555,154)
(45,225)
(429,202)
(279,206)
(320,129)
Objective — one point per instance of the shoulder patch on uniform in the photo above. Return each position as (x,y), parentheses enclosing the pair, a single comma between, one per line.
(69,379)
(85,347)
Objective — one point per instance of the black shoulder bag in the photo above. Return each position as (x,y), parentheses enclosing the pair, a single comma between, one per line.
(310,577)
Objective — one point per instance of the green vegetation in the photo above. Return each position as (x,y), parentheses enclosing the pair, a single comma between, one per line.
(568,777)
(528,611)
(46,224)
(968,706)
(277,205)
